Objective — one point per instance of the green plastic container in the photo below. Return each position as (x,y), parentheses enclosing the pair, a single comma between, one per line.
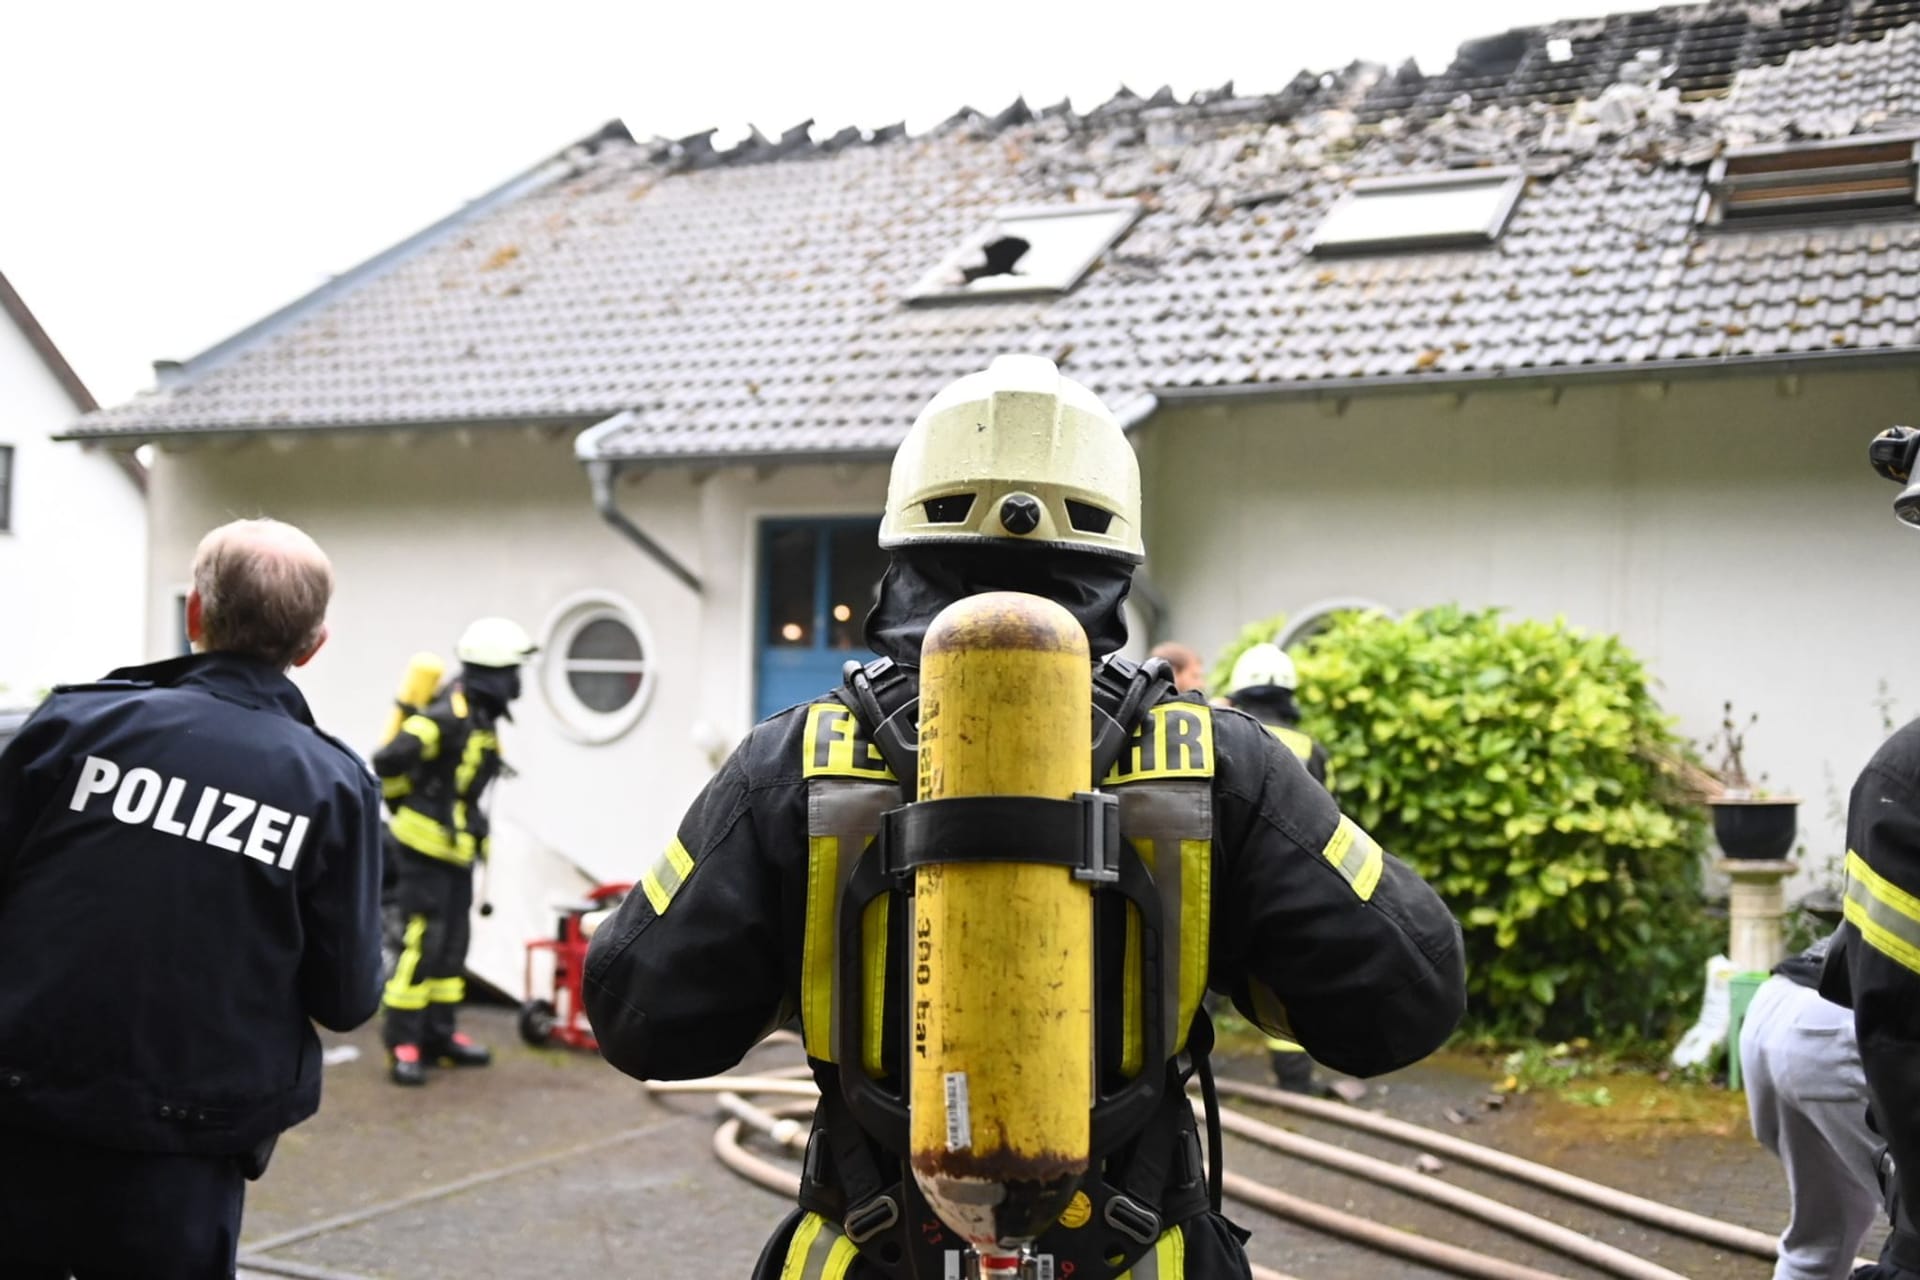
(1740,989)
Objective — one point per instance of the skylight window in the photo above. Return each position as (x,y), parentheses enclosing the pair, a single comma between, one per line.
(1845,178)
(1028,249)
(1424,211)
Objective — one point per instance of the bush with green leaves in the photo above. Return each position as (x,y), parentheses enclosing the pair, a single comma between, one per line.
(1525,770)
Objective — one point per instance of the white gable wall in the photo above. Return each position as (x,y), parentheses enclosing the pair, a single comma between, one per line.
(71,565)
(1728,528)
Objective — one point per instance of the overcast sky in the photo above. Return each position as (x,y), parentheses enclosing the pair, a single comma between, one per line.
(172,172)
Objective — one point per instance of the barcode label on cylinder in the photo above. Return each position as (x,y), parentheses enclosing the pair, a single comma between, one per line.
(959,1116)
(954,1271)
(1043,1267)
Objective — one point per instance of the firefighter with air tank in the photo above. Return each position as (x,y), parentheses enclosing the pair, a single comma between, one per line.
(435,771)
(996,872)
(1874,965)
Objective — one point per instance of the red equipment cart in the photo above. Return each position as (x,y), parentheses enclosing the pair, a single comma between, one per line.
(562,1018)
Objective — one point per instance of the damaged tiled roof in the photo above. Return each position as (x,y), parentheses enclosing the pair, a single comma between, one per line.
(752,302)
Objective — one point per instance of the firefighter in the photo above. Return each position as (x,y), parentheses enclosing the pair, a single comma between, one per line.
(435,773)
(1262,685)
(1018,479)
(1874,966)
(189,878)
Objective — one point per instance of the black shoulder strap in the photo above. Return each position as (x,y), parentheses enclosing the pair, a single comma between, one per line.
(1122,692)
(885,698)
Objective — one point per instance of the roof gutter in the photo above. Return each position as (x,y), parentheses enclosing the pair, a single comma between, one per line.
(603,475)
(1641,371)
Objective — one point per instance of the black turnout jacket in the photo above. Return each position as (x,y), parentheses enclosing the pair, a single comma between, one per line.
(1368,985)
(1874,966)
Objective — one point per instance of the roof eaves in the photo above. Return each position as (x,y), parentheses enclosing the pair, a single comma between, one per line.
(16,308)
(130,437)
(175,374)
(1790,362)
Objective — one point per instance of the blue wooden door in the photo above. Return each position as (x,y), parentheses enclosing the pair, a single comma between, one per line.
(817,582)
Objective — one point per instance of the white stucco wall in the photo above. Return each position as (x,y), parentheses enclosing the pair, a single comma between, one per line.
(71,565)
(428,532)
(1728,528)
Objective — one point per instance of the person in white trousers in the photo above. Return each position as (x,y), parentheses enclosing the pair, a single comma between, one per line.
(1807,1097)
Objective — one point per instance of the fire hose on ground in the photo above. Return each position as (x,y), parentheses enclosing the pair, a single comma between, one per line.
(1666,1217)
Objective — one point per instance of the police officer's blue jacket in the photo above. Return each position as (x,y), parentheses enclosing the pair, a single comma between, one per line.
(189,872)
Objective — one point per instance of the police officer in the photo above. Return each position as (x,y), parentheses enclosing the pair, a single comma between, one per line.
(189,872)
(1262,685)
(435,774)
(1018,479)
(1874,967)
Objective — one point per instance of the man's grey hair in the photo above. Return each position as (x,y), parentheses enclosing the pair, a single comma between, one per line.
(263,588)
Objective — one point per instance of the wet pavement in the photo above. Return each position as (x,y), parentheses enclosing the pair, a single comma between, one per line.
(551,1163)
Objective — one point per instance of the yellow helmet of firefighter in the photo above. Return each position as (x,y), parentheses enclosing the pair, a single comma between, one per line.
(494,642)
(1016,454)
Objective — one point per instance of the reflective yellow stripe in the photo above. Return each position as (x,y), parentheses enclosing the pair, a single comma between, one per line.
(479,742)
(1887,916)
(446,990)
(402,991)
(843,818)
(1133,1045)
(663,879)
(1196,899)
(417,831)
(1355,855)
(873,935)
(1297,742)
(394,788)
(816,958)
(1276,1045)
(1167,1260)
(819,1250)
(427,729)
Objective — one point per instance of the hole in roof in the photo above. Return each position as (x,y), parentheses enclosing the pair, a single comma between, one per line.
(1428,211)
(1088,518)
(1032,249)
(951,509)
(998,258)
(1559,49)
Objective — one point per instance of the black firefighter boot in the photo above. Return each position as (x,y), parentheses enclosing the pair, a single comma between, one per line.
(406,1067)
(459,1051)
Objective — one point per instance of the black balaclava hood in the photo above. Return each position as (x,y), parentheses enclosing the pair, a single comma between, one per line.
(1268,703)
(922,580)
(493,686)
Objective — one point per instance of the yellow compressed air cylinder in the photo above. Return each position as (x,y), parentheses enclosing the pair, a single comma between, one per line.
(1002,1062)
(417,688)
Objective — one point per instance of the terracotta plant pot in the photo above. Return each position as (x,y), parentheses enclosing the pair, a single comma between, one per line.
(1756,829)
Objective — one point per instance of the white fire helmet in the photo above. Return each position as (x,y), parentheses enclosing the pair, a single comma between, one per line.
(495,642)
(1016,454)
(1262,666)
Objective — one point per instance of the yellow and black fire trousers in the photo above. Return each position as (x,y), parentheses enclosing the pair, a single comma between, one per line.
(427,985)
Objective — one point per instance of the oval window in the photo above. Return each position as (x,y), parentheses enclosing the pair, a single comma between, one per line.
(597,673)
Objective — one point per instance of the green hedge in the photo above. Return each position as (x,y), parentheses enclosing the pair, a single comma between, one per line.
(1524,768)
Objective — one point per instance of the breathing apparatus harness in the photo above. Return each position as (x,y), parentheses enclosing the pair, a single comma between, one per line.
(1146,1172)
